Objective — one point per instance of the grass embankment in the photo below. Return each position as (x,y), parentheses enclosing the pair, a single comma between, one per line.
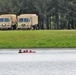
(38,39)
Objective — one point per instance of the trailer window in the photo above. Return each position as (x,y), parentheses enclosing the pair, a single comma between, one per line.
(7,20)
(1,19)
(21,20)
(26,20)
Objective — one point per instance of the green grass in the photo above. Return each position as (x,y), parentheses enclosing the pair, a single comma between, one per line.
(38,39)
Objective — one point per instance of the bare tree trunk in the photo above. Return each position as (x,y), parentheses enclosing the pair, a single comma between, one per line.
(44,24)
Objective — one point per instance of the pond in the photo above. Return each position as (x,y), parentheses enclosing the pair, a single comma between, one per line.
(43,62)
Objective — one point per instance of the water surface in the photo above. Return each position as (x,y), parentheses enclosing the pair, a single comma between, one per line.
(43,62)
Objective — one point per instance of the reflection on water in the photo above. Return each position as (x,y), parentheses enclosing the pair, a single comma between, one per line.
(41,63)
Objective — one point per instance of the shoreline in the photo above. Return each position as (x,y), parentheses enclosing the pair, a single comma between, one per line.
(38,48)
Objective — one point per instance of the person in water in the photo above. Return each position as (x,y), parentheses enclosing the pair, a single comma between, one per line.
(30,51)
(26,51)
(20,51)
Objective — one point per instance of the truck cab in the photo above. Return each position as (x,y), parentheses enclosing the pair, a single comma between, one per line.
(5,22)
(27,21)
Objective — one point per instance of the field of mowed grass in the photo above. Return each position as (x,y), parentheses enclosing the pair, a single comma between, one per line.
(38,39)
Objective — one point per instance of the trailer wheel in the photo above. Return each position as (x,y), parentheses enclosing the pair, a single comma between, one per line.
(31,28)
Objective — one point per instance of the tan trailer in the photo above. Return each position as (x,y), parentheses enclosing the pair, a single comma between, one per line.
(27,21)
(9,21)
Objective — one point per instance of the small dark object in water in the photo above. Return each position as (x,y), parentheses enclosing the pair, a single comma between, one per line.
(20,51)
(26,51)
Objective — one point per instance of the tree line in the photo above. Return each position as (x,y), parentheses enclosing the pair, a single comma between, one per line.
(52,14)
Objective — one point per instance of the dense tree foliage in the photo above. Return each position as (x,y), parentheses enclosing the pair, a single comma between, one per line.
(52,14)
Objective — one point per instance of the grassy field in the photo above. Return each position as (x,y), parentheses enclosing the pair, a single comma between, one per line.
(38,39)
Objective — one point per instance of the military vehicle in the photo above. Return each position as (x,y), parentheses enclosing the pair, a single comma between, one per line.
(27,21)
(8,21)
